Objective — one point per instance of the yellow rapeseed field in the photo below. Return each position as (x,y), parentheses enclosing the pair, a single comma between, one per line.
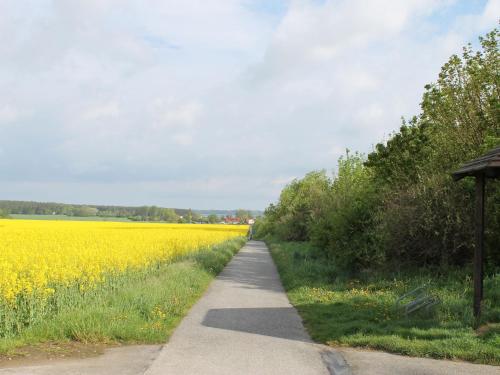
(36,257)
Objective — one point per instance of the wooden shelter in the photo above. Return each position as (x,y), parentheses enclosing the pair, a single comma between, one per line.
(486,166)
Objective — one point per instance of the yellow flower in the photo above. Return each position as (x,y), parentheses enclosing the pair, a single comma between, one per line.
(38,257)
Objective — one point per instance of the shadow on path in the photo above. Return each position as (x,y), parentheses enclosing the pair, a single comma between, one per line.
(281,322)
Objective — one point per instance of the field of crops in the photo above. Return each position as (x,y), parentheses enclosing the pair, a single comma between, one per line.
(41,260)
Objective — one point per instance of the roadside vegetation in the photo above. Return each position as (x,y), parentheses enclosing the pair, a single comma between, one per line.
(394,220)
(361,311)
(143,306)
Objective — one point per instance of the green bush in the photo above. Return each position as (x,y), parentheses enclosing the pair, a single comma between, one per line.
(346,227)
(399,207)
(300,203)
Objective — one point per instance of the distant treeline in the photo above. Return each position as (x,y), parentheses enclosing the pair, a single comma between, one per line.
(399,206)
(142,213)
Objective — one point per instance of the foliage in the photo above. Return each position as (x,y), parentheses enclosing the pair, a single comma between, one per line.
(399,207)
(62,211)
(143,213)
(361,312)
(154,213)
(428,217)
(243,215)
(344,226)
(69,218)
(213,219)
(299,204)
(401,161)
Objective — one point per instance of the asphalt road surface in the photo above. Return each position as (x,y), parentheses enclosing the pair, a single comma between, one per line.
(244,324)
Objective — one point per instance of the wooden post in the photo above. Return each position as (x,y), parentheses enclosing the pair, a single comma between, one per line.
(479,249)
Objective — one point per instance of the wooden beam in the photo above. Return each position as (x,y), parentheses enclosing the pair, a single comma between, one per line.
(479,249)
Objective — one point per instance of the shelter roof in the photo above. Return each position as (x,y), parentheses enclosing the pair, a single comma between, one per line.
(489,164)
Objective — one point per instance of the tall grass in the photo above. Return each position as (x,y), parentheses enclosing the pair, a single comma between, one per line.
(143,306)
(362,312)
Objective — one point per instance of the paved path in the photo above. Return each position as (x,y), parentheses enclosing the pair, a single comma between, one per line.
(127,360)
(365,362)
(244,324)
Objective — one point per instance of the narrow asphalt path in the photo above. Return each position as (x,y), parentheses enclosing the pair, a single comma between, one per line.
(244,324)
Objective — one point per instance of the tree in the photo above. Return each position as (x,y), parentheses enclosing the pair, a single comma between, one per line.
(299,204)
(401,205)
(85,211)
(189,216)
(169,215)
(213,219)
(243,215)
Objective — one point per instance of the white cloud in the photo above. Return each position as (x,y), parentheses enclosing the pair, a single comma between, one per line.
(177,115)
(281,181)
(8,114)
(369,114)
(102,111)
(188,93)
(183,139)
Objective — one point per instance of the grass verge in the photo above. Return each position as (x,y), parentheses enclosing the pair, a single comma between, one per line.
(361,313)
(135,308)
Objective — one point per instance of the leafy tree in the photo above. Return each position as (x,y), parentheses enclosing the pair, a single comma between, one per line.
(299,202)
(243,215)
(400,206)
(213,219)
(402,160)
(345,227)
(84,211)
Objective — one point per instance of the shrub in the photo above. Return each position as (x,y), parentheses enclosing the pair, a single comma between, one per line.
(400,207)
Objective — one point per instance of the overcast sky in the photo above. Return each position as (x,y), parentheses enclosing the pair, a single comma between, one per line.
(209,103)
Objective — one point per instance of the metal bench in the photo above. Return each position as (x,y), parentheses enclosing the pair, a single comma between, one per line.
(415,300)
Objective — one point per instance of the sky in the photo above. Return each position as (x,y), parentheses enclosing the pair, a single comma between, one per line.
(209,104)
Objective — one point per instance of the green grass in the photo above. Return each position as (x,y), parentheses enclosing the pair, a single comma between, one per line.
(65,217)
(140,307)
(351,312)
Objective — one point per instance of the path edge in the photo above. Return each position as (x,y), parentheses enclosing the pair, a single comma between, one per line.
(334,361)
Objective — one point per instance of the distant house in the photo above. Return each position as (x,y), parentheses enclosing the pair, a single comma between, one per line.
(231,220)
(237,220)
